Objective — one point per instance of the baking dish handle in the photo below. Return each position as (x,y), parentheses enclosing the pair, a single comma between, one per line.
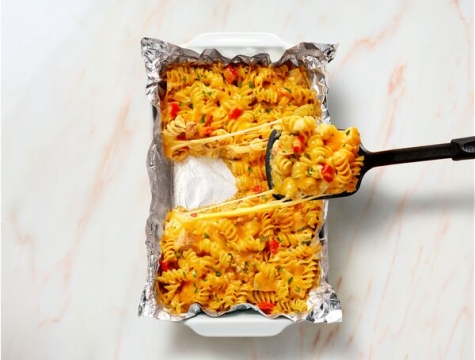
(237,39)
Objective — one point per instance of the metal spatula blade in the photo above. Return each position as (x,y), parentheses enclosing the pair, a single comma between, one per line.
(456,149)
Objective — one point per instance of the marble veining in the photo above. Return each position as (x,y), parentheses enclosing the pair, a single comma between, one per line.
(76,129)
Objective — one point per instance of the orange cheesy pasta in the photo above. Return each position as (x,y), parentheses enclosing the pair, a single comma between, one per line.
(252,248)
(311,159)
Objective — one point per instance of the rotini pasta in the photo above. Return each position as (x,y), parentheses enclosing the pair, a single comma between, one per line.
(311,159)
(251,249)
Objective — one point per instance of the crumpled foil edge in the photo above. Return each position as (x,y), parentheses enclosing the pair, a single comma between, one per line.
(157,55)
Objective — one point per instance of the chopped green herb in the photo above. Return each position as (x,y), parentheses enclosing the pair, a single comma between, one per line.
(218,273)
(347,132)
(290,91)
(181,104)
(249,169)
(290,280)
(306,242)
(310,171)
(251,85)
(268,110)
(205,280)
(280,268)
(194,273)
(202,119)
(198,77)
(184,273)
(307,155)
(239,84)
(206,236)
(297,289)
(209,93)
(265,198)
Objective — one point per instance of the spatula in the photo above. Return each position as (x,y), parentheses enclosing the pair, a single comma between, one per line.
(457,149)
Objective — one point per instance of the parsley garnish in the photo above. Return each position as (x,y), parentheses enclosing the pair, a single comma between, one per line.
(251,85)
(218,273)
(184,79)
(202,119)
(290,91)
(268,110)
(194,274)
(249,169)
(347,132)
(290,280)
(297,289)
(206,236)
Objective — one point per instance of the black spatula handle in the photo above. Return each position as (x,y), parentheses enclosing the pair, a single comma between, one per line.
(457,149)
(463,148)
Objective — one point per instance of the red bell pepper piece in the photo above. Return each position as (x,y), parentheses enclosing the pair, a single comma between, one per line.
(328,172)
(174,108)
(231,74)
(273,246)
(266,306)
(235,113)
(164,265)
(298,144)
(258,189)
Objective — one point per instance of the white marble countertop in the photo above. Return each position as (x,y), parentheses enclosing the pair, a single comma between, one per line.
(76,128)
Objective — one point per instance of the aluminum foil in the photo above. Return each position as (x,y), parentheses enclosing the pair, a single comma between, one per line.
(169,182)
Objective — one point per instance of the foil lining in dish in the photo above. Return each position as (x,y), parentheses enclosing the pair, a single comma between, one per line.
(169,181)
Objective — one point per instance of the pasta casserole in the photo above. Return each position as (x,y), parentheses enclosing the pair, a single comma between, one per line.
(251,249)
